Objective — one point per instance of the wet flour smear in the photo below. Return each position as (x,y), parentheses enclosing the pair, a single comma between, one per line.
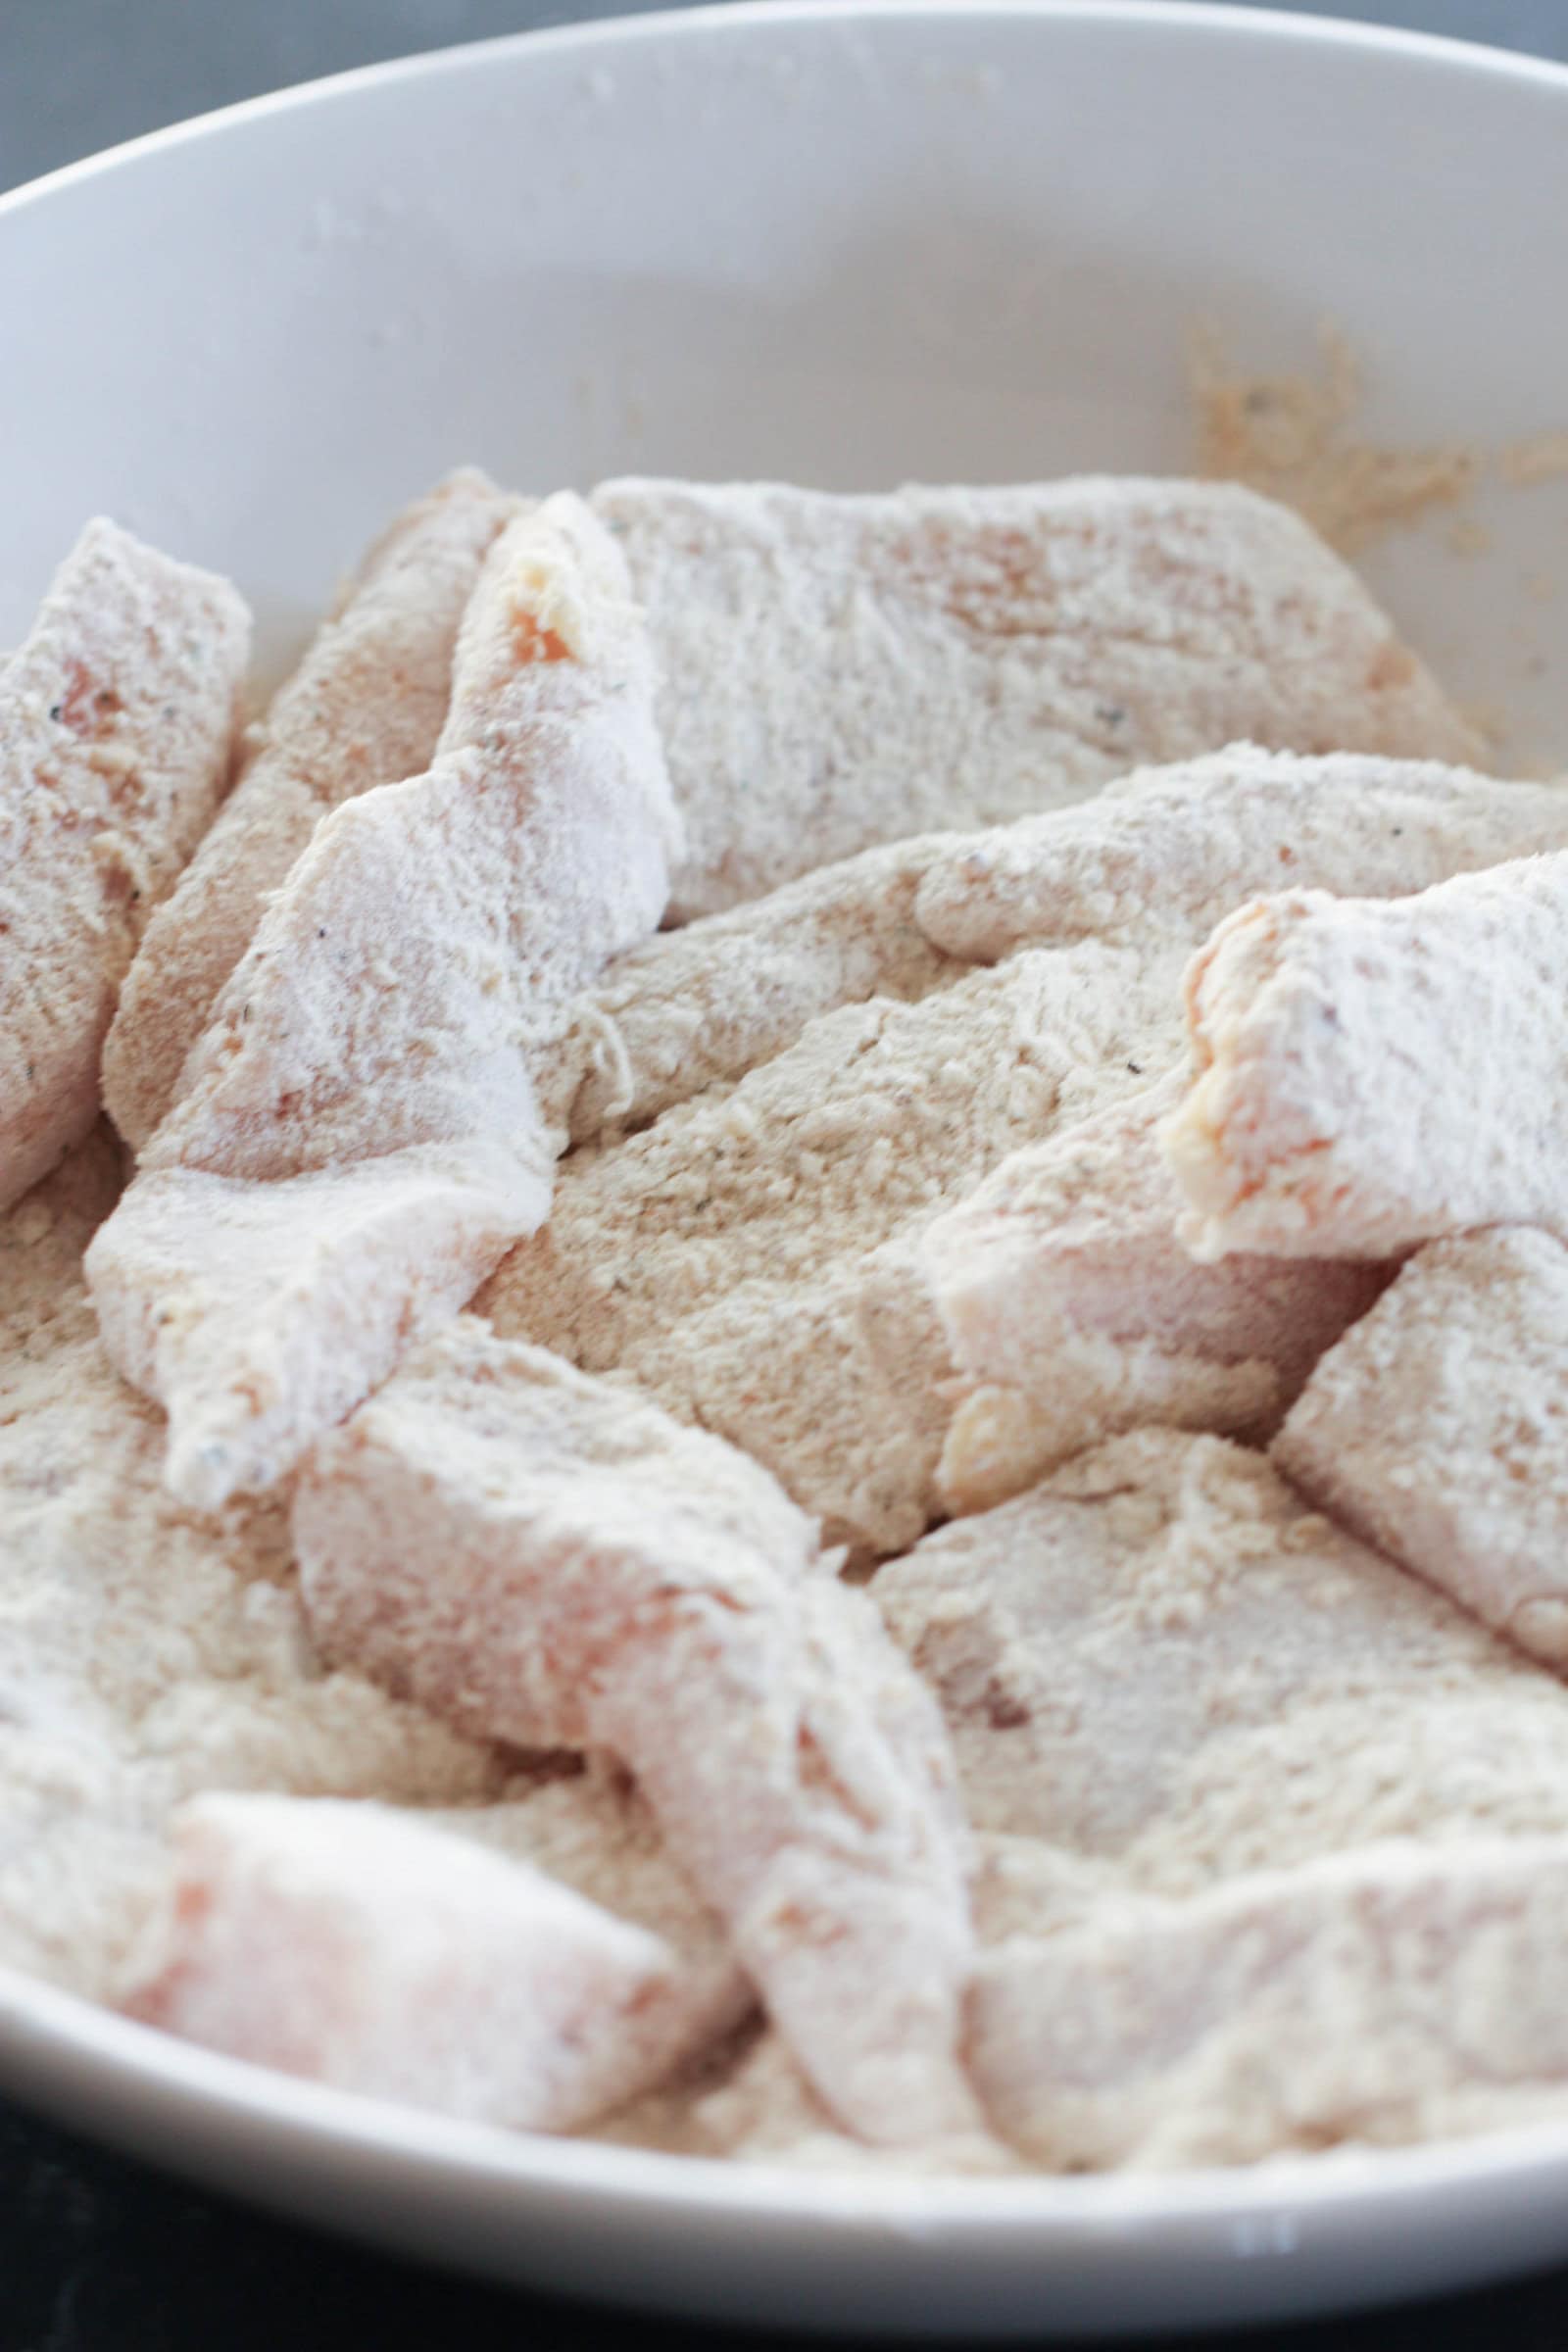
(1292,437)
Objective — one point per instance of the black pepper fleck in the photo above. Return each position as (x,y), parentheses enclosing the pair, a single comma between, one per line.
(1005,1712)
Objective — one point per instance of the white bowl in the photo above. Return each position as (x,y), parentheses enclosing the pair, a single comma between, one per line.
(846,244)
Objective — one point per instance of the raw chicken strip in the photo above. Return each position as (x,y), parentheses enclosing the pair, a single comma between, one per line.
(586,1825)
(721,1258)
(1071,1311)
(366,1087)
(843,1387)
(552,1561)
(1168,850)
(366,708)
(433,929)
(1395,1993)
(693,1007)
(837,672)
(876,1115)
(261,1313)
(358,1947)
(1436,1429)
(1373,1074)
(1147,1659)
(1182,846)
(117,726)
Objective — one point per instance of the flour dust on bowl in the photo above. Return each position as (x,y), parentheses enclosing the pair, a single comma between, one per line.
(845,245)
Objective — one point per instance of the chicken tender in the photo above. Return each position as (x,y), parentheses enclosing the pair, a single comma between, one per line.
(876,1116)
(1393,1993)
(358,1947)
(1182,846)
(118,719)
(839,671)
(380,1032)
(552,1561)
(431,932)
(1073,1312)
(583,1822)
(262,1313)
(1143,1662)
(694,1008)
(1435,1429)
(366,707)
(1371,1074)
(746,1259)
(1167,851)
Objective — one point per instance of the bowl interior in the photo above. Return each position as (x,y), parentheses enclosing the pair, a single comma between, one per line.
(838,244)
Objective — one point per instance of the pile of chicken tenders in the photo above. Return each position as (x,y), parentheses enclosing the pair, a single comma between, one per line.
(863,1195)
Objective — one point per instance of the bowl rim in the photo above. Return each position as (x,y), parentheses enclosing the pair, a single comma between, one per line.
(46,2035)
(86,2064)
(1239,18)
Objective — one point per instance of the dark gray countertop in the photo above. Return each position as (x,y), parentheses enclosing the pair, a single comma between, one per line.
(100,2255)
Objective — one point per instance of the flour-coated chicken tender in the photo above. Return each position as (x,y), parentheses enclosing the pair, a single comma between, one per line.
(366,707)
(551,1560)
(1390,1993)
(1181,846)
(118,718)
(1145,1660)
(1071,1311)
(1374,1073)
(378,1035)
(837,671)
(1168,850)
(1435,1429)
(362,1948)
(262,1313)
(745,1259)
